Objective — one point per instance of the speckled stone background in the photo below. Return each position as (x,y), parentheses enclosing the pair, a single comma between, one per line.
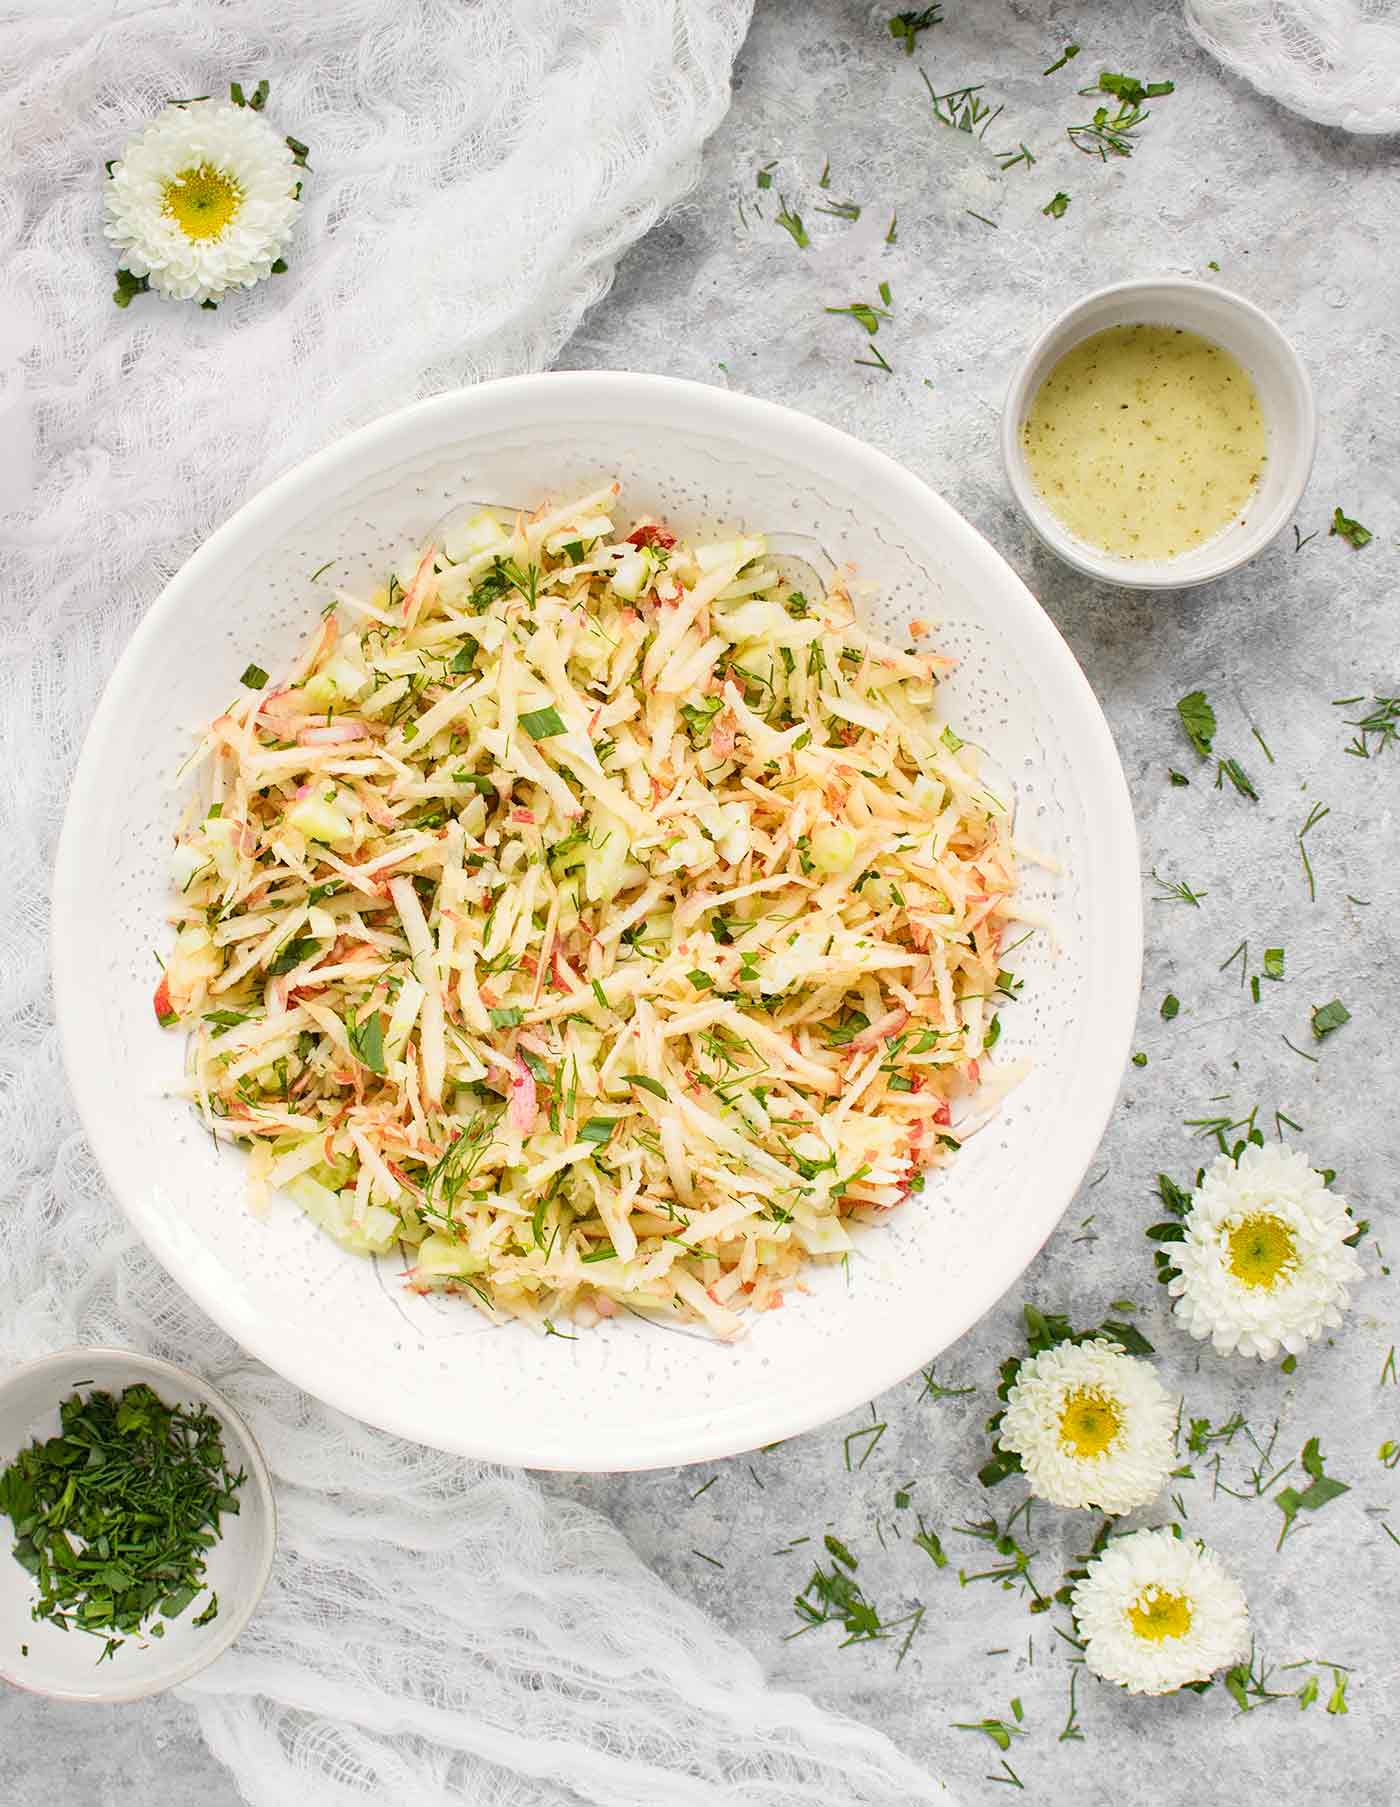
(1301,220)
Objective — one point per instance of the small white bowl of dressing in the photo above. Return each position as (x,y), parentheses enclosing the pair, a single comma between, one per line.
(1159,433)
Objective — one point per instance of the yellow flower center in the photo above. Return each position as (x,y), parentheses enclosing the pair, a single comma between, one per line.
(202,201)
(1262,1250)
(1157,1615)
(1089,1421)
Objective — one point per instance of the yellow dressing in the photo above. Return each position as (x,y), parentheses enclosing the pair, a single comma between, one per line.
(1145,440)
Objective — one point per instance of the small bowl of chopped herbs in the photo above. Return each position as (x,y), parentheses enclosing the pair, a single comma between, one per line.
(137,1525)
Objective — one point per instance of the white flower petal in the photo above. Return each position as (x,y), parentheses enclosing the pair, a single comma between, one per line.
(242,146)
(1131,1469)
(1148,1562)
(1308,1298)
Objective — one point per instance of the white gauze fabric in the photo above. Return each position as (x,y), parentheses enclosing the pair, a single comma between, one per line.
(1335,61)
(436,1631)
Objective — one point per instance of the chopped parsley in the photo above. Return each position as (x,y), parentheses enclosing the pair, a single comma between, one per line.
(1321,1490)
(1198,719)
(114,1517)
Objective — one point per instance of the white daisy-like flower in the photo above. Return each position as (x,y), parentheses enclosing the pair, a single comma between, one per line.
(1265,1265)
(1092,1426)
(1156,1612)
(202,200)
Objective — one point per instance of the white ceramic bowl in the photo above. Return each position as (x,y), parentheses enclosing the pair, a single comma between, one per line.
(1285,397)
(64,1664)
(630,1395)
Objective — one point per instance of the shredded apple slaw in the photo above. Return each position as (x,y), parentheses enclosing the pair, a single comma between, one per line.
(602,919)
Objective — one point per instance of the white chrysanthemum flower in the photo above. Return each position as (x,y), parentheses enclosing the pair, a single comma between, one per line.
(203,200)
(1156,1612)
(1092,1426)
(1265,1265)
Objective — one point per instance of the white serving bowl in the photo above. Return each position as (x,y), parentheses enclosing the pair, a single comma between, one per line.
(629,1395)
(64,1664)
(1285,398)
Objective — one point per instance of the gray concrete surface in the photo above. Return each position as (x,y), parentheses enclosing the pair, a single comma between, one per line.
(1301,220)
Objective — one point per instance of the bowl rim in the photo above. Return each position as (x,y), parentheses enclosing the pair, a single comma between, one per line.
(258,1474)
(1156,575)
(724,412)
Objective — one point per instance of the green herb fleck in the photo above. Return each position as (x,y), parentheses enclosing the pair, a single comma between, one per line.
(542,724)
(1321,1490)
(1067,55)
(906,27)
(791,223)
(1327,1017)
(1198,719)
(654,1086)
(1351,531)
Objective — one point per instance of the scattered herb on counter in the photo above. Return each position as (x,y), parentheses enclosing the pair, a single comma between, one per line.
(1139,1060)
(1009,159)
(1067,55)
(764,178)
(1321,1490)
(841,210)
(997,1730)
(928,1542)
(865,313)
(1273,962)
(906,27)
(872,1432)
(960,108)
(876,360)
(253,678)
(1351,531)
(1382,721)
(1300,540)
(1174,890)
(1241,954)
(1179,779)
(1235,772)
(1315,815)
(834,1594)
(934,1389)
(1171,1006)
(113,1516)
(1056,205)
(1328,1017)
(1198,719)
(1111,134)
(791,223)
